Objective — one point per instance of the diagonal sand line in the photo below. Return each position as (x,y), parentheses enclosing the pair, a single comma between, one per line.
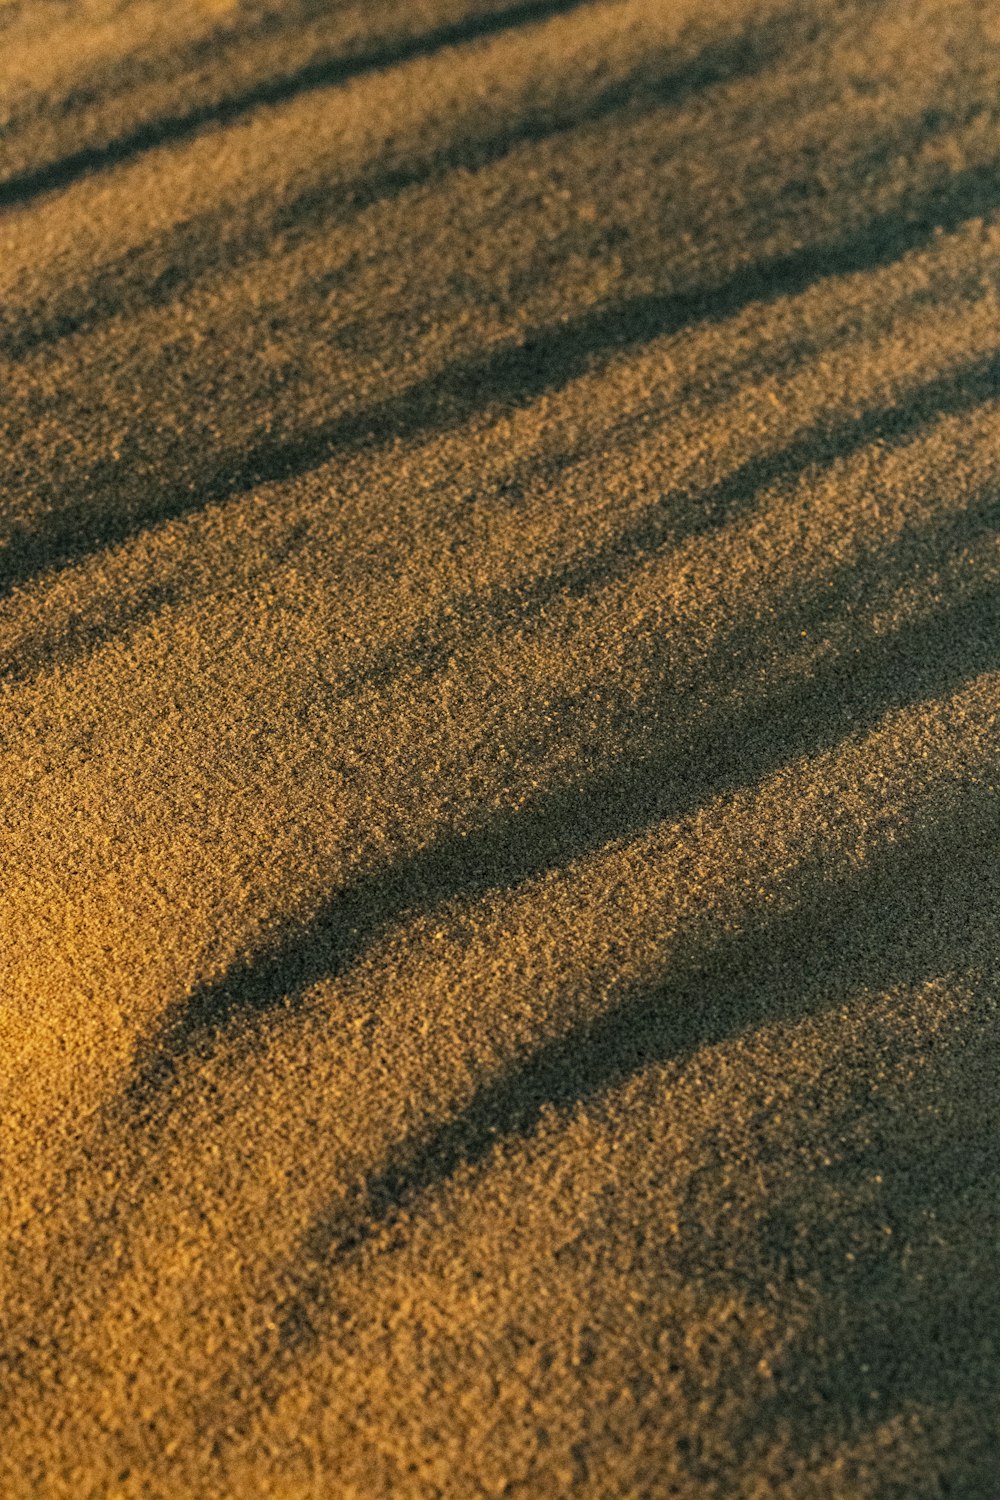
(848,692)
(160,271)
(714,989)
(25,186)
(511,376)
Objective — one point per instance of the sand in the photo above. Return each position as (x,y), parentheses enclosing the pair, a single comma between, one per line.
(500,659)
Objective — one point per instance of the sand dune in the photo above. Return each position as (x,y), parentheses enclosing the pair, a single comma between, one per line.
(500,646)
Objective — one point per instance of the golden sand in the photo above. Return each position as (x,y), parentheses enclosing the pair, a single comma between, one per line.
(500,648)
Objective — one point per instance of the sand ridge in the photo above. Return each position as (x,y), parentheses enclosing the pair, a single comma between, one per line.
(500,661)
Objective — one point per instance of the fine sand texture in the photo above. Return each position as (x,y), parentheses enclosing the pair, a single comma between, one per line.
(500,749)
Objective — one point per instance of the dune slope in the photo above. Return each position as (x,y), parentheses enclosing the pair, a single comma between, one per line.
(500,749)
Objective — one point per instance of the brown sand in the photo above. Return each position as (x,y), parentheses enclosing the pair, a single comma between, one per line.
(500,642)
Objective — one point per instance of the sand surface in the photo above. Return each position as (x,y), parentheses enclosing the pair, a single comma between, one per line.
(500,733)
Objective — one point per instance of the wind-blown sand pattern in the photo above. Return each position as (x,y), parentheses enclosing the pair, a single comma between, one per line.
(500,645)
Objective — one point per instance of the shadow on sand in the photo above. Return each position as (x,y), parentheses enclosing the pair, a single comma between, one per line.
(674,518)
(107,508)
(159,271)
(316,74)
(673,773)
(903,1270)
(902,917)
(678,515)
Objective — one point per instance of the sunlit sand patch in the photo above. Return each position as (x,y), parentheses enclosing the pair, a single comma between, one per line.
(499,634)
(762,1334)
(182,1248)
(550,443)
(688,588)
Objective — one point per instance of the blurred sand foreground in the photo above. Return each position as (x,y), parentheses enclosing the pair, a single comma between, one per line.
(500,648)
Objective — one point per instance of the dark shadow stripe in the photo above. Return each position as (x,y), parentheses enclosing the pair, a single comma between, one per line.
(318,74)
(154,275)
(506,378)
(848,693)
(677,516)
(879,925)
(890,1340)
(73,636)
